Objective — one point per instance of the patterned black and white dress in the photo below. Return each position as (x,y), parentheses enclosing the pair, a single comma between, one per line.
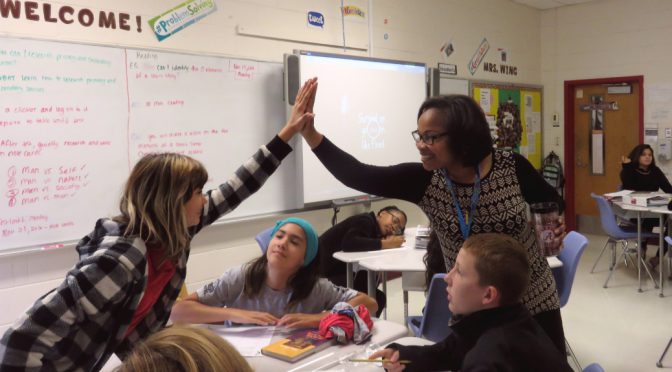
(511,183)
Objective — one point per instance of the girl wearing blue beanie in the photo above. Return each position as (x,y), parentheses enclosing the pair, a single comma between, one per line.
(281,287)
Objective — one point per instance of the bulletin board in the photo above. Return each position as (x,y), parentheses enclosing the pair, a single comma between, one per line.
(514,115)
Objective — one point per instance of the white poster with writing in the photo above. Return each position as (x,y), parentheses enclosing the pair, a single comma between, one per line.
(59,117)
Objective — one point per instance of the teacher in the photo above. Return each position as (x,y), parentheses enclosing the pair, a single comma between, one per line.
(465,187)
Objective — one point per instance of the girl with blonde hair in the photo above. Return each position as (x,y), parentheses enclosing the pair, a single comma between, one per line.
(131,267)
(188,349)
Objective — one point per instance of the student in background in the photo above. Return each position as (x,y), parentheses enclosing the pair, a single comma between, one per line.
(495,332)
(131,267)
(360,233)
(281,287)
(640,173)
(465,187)
(186,349)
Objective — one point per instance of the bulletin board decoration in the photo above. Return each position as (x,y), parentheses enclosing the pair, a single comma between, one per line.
(514,115)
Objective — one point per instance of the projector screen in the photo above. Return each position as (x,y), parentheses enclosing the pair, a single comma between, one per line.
(367,107)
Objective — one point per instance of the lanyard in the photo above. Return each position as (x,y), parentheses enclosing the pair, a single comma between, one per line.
(466,219)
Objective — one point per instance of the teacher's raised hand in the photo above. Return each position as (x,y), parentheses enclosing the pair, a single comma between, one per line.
(302,111)
(309,133)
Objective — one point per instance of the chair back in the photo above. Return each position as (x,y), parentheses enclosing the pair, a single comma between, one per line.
(434,325)
(594,368)
(607,217)
(574,245)
(668,240)
(263,238)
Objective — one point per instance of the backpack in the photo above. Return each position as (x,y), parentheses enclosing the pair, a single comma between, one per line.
(551,171)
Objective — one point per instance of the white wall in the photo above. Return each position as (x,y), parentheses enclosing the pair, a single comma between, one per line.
(415,31)
(607,39)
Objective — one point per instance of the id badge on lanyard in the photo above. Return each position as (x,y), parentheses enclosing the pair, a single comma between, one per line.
(465,219)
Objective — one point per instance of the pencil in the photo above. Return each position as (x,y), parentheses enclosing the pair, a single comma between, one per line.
(379,361)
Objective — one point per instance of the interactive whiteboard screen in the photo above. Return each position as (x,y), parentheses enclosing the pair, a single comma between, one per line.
(368,107)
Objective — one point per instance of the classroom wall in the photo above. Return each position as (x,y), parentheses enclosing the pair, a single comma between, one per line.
(607,39)
(398,29)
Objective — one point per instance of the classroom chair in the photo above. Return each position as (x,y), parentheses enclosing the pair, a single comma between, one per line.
(263,238)
(594,367)
(617,235)
(574,244)
(433,324)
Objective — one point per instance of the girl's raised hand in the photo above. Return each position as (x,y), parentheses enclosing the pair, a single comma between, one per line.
(302,111)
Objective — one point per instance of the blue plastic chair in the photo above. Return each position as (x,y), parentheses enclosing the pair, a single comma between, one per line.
(433,324)
(574,244)
(263,238)
(594,368)
(617,235)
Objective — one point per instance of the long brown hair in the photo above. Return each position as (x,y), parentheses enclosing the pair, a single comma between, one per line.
(638,151)
(301,283)
(184,348)
(152,205)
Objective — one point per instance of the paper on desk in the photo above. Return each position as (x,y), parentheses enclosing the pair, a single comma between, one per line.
(247,340)
(618,193)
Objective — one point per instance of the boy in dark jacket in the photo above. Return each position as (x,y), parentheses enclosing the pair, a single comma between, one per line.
(495,331)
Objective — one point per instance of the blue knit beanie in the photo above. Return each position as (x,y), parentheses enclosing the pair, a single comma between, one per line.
(311,237)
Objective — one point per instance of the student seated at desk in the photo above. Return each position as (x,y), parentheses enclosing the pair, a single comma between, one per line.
(495,331)
(360,233)
(640,173)
(186,349)
(281,287)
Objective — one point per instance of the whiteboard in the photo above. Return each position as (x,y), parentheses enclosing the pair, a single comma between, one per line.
(75,118)
(368,108)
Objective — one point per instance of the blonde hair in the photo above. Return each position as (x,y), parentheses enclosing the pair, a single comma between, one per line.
(184,348)
(152,205)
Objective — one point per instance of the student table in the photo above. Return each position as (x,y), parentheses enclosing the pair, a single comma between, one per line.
(639,211)
(404,259)
(384,332)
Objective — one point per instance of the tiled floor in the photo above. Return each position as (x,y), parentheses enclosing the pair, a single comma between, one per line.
(618,327)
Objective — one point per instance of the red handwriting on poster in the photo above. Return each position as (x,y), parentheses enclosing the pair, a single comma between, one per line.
(30,185)
(30,224)
(188,142)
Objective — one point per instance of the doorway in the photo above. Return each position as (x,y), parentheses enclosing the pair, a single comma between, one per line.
(604,119)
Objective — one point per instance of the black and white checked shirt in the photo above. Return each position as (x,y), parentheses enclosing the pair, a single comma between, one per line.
(79,324)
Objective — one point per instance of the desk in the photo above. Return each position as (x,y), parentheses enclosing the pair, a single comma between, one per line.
(384,332)
(640,212)
(404,260)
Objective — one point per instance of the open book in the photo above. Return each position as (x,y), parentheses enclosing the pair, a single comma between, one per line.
(297,345)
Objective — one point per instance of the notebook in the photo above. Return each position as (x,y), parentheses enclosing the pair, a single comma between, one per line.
(297,345)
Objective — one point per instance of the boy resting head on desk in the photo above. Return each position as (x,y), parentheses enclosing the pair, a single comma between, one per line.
(495,330)
(282,287)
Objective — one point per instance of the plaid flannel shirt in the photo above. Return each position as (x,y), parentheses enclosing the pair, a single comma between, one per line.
(79,324)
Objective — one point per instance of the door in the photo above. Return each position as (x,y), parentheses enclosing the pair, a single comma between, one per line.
(603,127)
